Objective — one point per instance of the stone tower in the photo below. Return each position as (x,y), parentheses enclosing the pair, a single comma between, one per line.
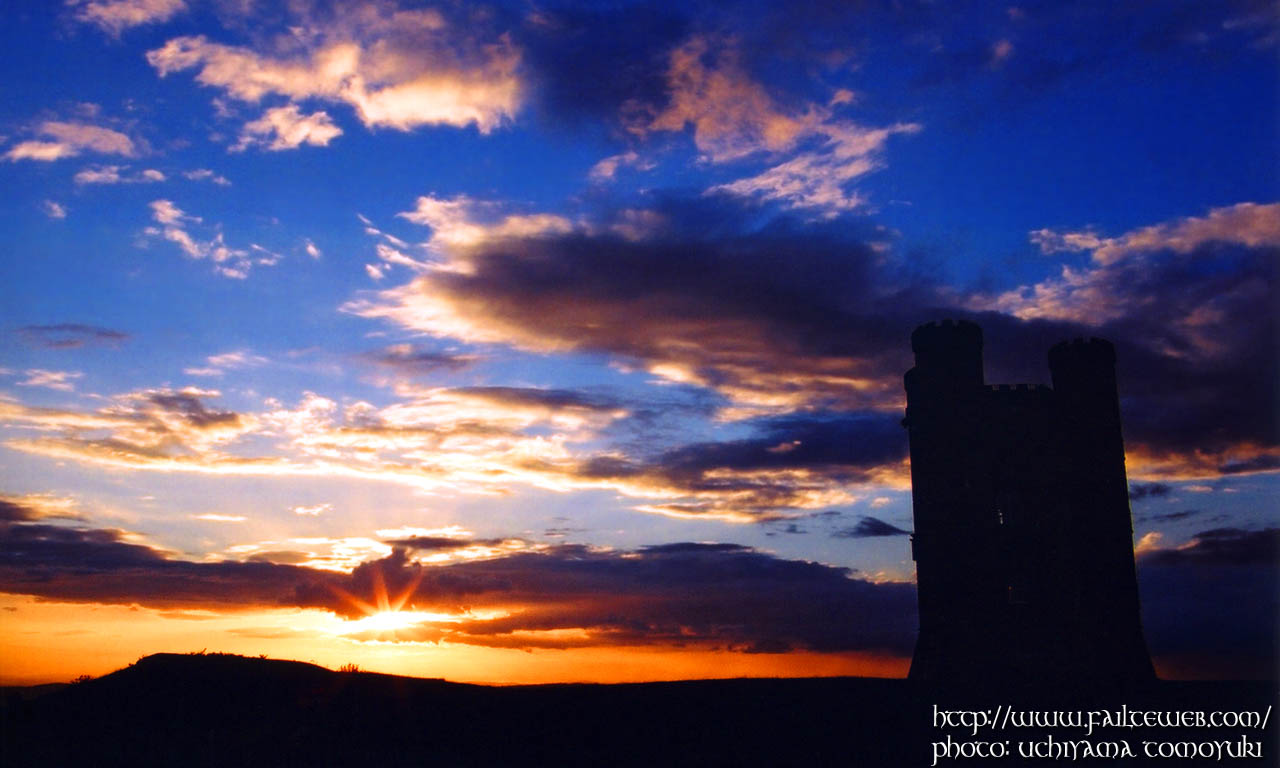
(1023,540)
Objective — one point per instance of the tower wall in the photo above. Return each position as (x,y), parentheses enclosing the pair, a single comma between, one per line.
(1023,541)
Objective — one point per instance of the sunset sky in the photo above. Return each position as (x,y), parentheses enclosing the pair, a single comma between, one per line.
(533,341)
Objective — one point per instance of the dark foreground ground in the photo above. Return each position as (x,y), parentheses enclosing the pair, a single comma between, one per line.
(235,711)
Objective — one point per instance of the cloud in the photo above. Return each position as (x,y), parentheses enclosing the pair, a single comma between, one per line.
(1166,517)
(315,510)
(1187,302)
(287,128)
(59,380)
(1221,546)
(147,425)
(102,566)
(407,361)
(608,167)
(691,298)
(462,221)
(734,117)
(819,179)
(115,16)
(54,210)
(175,226)
(110,174)
(676,595)
(68,139)
(217,365)
(870,527)
(485,440)
(400,69)
(1209,605)
(204,174)
(796,372)
(70,336)
(36,506)
(1141,491)
(1211,600)
(695,293)
(684,594)
(791,463)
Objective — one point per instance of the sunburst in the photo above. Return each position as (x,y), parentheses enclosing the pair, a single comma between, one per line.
(385,616)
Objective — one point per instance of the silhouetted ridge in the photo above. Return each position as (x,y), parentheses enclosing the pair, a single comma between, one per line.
(213,710)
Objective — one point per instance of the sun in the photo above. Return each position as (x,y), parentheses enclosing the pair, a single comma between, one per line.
(390,622)
(384,614)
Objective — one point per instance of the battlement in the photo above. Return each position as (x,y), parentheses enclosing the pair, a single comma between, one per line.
(1018,388)
(1018,391)
(1090,352)
(945,335)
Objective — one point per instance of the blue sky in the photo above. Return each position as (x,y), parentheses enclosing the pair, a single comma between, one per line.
(285,282)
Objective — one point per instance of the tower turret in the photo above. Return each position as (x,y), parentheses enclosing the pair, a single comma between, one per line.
(949,353)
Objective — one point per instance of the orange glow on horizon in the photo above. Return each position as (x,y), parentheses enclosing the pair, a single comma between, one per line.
(43,642)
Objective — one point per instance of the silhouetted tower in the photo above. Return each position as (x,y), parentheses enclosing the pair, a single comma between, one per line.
(1023,541)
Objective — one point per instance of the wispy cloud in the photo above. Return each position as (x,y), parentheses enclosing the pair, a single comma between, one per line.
(314,510)
(734,117)
(62,139)
(204,174)
(607,168)
(398,69)
(217,365)
(287,128)
(175,226)
(53,209)
(115,16)
(111,174)
(70,335)
(59,380)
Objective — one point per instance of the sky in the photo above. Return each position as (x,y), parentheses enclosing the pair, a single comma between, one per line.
(543,341)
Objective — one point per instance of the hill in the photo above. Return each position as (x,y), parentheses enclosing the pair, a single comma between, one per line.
(217,710)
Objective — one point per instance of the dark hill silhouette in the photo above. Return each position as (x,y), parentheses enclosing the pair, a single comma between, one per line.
(207,710)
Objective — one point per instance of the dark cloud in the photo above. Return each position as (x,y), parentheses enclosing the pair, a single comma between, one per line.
(711,595)
(1168,517)
(558,399)
(410,360)
(16,511)
(870,527)
(1251,464)
(70,335)
(100,565)
(1142,491)
(1223,546)
(708,299)
(928,45)
(1183,391)
(191,409)
(791,315)
(777,468)
(815,440)
(631,41)
(442,543)
(720,595)
(1213,604)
